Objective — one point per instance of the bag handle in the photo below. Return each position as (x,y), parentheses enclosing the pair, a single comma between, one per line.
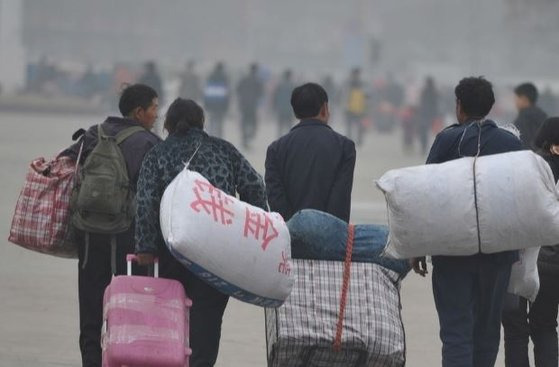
(79,154)
(133,257)
(187,163)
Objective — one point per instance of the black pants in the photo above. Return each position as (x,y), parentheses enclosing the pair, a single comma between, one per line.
(540,324)
(92,281)
(248,126)
(206,315)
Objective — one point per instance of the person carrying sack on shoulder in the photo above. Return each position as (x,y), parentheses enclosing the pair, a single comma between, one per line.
(469,291)
(103,205)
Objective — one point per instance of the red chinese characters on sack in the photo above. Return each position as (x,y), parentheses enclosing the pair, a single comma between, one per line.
(213,202)
(261,227)
(284,267)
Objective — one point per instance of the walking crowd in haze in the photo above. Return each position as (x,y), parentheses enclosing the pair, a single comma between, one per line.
(311,166)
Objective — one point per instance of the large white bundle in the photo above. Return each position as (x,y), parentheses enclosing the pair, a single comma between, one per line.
(524,278)
(239,249)
(435,209)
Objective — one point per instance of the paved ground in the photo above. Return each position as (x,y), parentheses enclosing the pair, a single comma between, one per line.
(38,294)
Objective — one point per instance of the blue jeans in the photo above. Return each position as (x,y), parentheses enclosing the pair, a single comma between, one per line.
(469,294)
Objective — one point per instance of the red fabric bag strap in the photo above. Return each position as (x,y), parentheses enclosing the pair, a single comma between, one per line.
(345,287)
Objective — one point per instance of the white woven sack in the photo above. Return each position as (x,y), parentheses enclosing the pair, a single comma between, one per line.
(524,278)
(239,249)
(432,208)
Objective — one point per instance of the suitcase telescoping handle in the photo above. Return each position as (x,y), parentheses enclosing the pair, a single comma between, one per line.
(132,257)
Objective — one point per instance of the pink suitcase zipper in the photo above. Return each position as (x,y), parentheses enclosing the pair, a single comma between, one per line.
(145,321)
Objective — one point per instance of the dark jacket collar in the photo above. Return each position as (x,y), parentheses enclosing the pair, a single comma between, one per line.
(310,122)
(486,122)
(122,121)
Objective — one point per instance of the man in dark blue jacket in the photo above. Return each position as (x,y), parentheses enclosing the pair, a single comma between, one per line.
(312,166)
(469,290)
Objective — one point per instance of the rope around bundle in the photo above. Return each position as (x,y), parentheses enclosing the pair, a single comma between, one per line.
(345,287)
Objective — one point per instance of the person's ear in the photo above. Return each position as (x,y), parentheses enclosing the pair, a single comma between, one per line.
(554,149)
(138,113)
(324,112)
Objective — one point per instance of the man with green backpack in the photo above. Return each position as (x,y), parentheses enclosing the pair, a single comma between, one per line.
(103,204)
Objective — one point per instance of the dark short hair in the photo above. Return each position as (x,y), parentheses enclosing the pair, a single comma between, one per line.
(527,90)
(548,134)
(134,96)
(307,100)
(475,95)
(182,115)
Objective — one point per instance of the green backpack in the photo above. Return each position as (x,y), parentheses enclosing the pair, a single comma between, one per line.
(103,200)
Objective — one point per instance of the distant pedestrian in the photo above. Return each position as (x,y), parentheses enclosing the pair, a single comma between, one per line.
(216,99)
(190,84)
(331,89)
(428,112)
(530,117)
(355,107)
(281,103)
(249,94)
(151,77)
(549,102)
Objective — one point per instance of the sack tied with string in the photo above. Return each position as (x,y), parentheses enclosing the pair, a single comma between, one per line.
(471,205)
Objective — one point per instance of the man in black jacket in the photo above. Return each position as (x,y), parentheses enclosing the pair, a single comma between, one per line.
(469,291)
(530,117)
(312,166)
(139,106)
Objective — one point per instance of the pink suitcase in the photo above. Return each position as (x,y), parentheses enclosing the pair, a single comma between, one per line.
(145,322)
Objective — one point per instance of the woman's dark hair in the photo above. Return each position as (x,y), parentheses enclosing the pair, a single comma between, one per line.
(307,100)
(475,96)
(547,135)
(182,115)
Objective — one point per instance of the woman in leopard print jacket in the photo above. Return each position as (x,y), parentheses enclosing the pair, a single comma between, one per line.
(225,168)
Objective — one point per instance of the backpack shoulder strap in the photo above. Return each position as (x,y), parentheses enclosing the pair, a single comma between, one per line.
(100,132)
(126,133)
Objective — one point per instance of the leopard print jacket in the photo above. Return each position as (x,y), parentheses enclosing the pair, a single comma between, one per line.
(217,160)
